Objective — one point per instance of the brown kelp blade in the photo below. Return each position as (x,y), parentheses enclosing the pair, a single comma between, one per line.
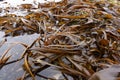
(27,67)
(3,61)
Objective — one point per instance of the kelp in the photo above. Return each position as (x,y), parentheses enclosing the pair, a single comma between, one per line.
(79,38)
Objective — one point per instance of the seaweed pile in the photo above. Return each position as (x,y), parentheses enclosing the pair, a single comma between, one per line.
(77,37)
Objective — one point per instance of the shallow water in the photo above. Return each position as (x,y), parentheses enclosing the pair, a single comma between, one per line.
(13,71)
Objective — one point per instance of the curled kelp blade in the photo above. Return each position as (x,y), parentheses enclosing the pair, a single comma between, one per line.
(27,67)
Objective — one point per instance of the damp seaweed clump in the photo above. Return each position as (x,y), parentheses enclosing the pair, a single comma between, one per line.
(79,38)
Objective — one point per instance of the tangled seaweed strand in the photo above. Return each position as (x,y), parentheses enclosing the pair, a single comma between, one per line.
(79,38)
